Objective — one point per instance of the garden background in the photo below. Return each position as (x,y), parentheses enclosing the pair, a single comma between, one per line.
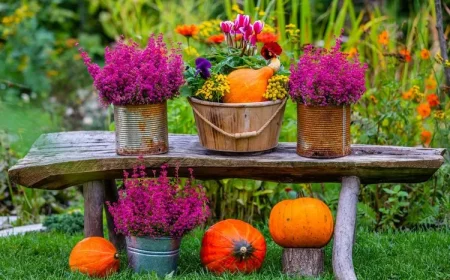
(44,87)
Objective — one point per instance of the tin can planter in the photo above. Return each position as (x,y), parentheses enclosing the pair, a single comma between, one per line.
(238,127)
(141,129)
(323,131)
(146,254)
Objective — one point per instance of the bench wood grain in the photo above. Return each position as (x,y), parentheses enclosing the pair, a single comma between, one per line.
(60,160)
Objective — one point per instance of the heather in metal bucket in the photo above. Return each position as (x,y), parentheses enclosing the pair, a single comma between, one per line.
(324,83)
(154,213)
(138,82)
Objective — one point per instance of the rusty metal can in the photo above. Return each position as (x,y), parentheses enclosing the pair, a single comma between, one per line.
(323,131)
(141,129)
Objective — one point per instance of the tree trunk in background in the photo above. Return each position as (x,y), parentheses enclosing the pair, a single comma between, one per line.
(442,42)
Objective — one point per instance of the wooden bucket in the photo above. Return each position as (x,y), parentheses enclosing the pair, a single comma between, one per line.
(238,127)
(323,131)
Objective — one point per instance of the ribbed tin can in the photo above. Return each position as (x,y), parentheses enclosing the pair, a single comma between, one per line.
(146,254)
(323,131)
(141,129)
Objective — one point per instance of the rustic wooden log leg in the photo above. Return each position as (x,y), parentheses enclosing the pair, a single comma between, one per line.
(112,195)
(303,261)
(345,229)
(94,197)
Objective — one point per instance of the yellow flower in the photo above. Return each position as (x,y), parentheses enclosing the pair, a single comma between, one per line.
(236,9)
(439,58)
(191,51)
(439,114)
(277,87)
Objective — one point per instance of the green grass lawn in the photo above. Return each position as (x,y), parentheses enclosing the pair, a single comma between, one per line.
(400,255)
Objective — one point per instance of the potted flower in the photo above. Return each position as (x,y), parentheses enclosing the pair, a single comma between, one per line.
(138,82)
(154,214)
(238,96)
(324,83)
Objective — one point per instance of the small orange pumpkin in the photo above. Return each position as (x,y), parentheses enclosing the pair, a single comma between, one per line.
(249,85)
(232,246)
(94,256)
(301,223)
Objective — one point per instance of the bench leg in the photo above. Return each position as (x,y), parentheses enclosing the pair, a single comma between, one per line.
(344,230)
(112,195)
(94,196)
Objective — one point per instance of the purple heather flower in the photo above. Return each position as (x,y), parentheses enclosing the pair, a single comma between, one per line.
(133,76)
(158,207)
(203,65)
(258,26)
(313,83)
(226,26)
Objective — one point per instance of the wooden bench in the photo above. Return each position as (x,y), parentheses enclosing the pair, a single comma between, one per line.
(61,160)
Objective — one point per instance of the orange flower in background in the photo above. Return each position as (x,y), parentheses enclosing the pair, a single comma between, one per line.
(373,99)
(430,83)
(425,138)
(425,54)
(266,37)
(215,39)
(424,110)
(408,95)
(187,30)
(352,52)
(433,100)
(406,55)
(383,38)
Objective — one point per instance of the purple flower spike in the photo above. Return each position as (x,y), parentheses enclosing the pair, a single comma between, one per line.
(226,26)
(258,26)
(203,65)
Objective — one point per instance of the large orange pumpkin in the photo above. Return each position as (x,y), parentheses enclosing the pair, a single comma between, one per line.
(301,223)
(249,85)
(94,256)
(232,246)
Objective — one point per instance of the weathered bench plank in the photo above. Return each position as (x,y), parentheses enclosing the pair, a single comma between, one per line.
(60,160)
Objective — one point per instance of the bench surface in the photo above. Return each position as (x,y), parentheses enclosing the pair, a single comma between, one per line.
(60,160)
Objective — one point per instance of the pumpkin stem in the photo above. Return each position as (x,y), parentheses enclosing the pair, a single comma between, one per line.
(116,256)
(275,64)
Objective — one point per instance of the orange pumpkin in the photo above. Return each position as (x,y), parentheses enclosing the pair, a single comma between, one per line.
(232,246)
(249,85)
(94,256)
(301,223)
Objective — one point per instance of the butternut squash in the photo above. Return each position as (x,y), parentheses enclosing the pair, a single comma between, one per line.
(249,85)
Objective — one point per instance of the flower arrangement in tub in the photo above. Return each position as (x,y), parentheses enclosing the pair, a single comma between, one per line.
(239,73)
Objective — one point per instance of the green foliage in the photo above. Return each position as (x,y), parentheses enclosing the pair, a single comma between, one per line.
(72,223)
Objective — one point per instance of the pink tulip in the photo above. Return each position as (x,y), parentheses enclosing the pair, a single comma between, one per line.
(226,26)
(258,26)
(241,21)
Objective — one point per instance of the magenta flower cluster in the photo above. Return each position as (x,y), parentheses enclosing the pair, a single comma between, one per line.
(134,76)
(243,26)
(159,206)
(326,77)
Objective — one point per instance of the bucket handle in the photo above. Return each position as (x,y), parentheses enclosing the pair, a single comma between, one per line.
(243,134)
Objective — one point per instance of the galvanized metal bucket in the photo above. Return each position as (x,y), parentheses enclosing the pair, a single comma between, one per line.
(147,254)
(141,129)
